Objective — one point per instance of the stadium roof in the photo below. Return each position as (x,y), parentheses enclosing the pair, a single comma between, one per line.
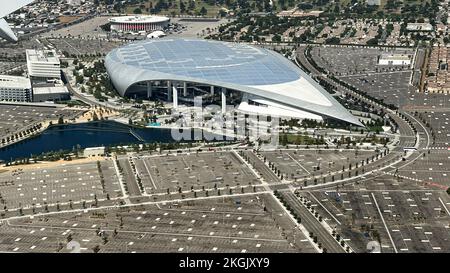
(235,66)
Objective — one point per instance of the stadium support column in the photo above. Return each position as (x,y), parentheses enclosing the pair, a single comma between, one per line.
(212,90)
(175,97)
(224,100)
(149,90)
(169,90)
(184,89)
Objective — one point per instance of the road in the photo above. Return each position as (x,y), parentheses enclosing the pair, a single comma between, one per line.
(262,168)
(312,224)
(130,180)
(407,137)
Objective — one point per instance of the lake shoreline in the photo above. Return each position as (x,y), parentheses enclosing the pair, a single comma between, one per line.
(68,136)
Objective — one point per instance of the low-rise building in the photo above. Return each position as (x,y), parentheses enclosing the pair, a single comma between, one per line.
(94,151)
(50,93)
(394,59)
(419,27)
(14,88)
(373,2)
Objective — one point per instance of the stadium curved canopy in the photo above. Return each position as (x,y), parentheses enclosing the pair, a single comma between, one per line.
(256,71)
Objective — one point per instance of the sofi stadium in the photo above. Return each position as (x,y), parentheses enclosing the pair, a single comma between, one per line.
(252,79)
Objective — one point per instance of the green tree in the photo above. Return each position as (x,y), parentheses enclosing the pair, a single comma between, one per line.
(203,11)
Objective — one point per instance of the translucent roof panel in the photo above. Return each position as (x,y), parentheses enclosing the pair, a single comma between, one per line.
(209,60)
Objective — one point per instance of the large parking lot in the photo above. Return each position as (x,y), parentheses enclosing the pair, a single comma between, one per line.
(427,101)
(236,225)
(193,28)
(197,170)
(22,188)
(84,46)
(438,122)
(431,168)
(416,215)
(392,87)
(397,85)
(87,29)
(14,118)
(297,164)
(346,61)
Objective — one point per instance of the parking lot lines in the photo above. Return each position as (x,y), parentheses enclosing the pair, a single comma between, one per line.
(384,222)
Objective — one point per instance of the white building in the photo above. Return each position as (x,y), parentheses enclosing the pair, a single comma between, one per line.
(419,27)
(74,2)
(264,81)
(139,23)
(43,64)
(50,93)
(156,34)
(94,151)
(15,88)
(373,2)
(394,59)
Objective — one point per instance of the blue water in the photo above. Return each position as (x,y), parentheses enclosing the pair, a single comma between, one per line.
(92,134)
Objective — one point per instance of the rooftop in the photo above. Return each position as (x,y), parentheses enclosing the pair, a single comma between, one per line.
(395,57)
(50,90)
(235,66)
(419,27)
(42,56)
(211,60)
(139,19)
(14,82)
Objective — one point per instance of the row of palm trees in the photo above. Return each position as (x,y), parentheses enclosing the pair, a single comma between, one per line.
(6,140)
(306,202)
